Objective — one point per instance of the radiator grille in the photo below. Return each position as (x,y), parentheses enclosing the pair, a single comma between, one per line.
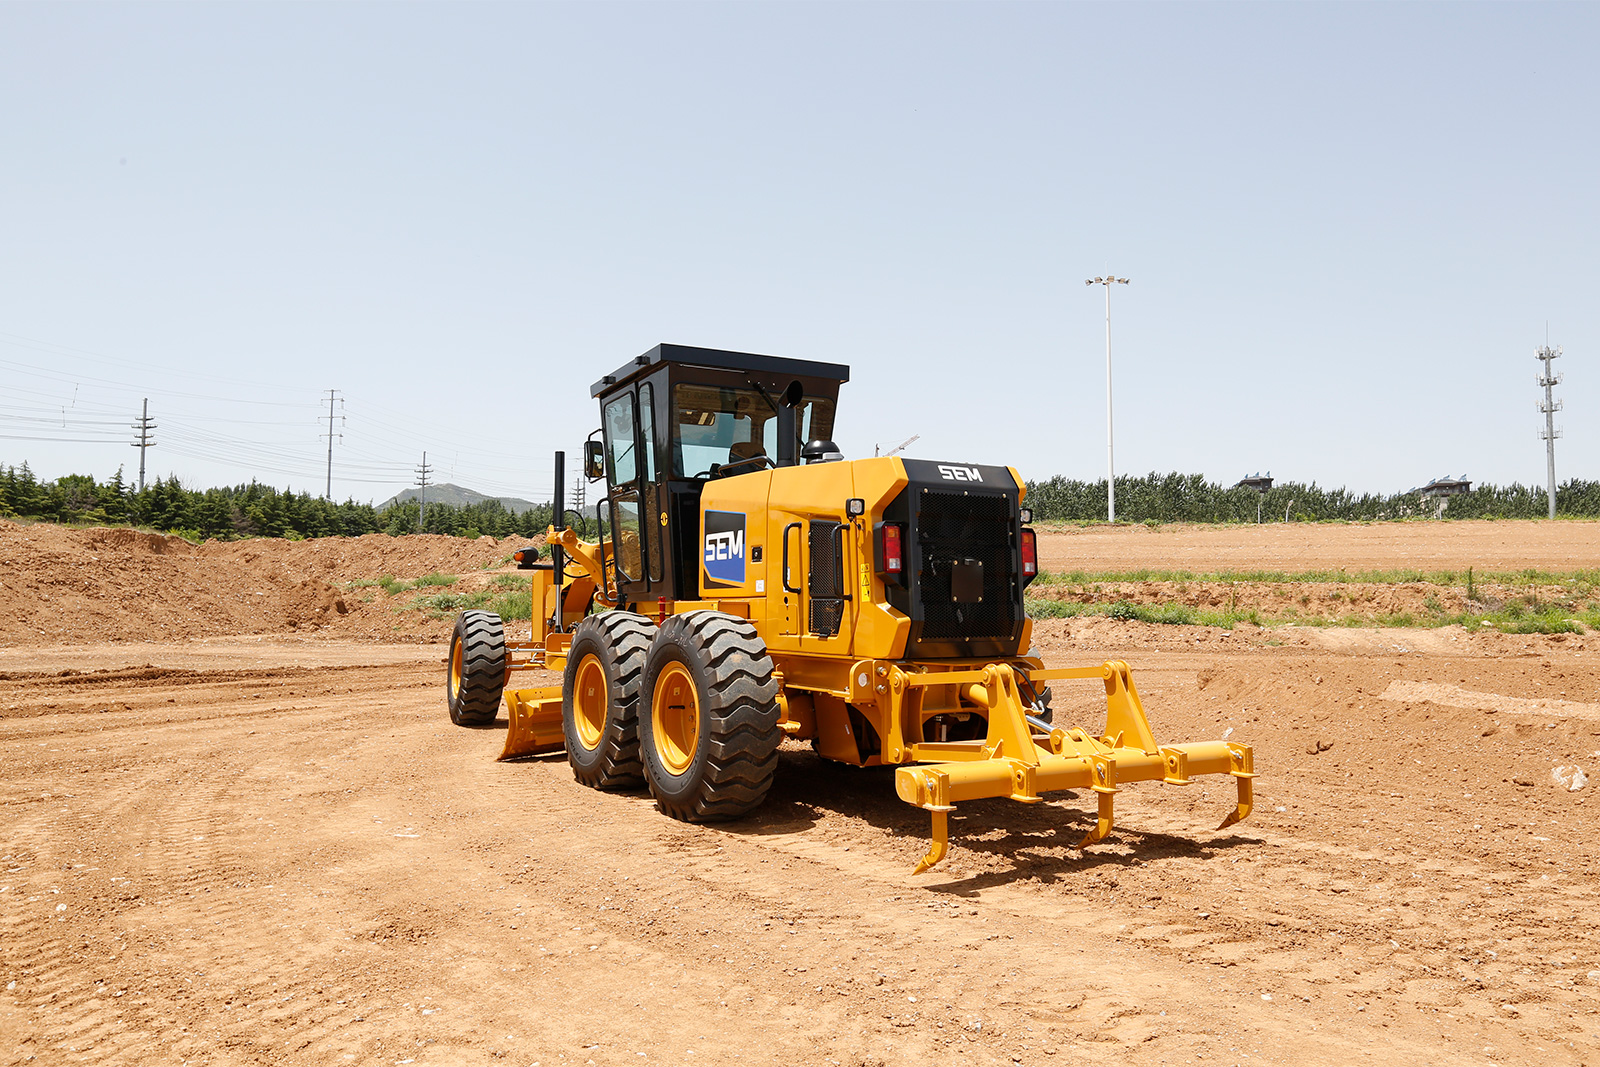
(952,528)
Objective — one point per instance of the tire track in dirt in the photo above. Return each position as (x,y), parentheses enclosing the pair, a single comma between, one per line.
(892,911)
(177,836)
(1453,696)
(451,902)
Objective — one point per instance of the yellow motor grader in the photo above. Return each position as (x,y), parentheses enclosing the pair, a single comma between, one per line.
(747,584)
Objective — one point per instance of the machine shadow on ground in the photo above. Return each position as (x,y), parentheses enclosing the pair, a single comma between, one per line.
(1036,841)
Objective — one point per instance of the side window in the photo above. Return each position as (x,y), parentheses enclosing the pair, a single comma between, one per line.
(622,459)
(647,429)
(652,490)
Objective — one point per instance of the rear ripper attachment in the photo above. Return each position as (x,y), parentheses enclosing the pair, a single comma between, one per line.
(1022,757)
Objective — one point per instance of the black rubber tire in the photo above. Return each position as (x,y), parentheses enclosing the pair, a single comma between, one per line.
(475,673)
(619,642)
(736,734)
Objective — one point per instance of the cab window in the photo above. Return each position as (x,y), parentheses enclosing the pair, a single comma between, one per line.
(717,425)
(622,460)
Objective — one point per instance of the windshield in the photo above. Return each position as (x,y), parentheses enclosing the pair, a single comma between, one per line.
(723,424)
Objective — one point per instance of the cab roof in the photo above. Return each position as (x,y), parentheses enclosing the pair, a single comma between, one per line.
(719,359)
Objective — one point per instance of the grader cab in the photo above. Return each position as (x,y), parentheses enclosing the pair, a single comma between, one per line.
(749,585)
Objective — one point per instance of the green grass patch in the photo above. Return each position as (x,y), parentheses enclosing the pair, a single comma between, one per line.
(514,606)
(1514,619)
(435,579)
(438,605)
(1162,614)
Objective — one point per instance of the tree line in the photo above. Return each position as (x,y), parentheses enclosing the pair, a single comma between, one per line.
(252,510)
(1191,498)
(257,510)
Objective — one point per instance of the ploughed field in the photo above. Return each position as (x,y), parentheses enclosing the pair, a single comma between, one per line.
(236,826)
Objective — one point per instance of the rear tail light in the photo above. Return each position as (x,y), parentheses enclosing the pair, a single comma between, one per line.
(1030,556)
(891,552)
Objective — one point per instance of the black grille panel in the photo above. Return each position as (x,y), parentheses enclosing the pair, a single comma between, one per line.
(954,530)
(826,615)
(825,583)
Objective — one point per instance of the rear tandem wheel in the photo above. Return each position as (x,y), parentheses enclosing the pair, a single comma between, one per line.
(710,717)
(600,699)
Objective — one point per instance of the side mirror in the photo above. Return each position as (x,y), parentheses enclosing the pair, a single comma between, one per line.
(594,464)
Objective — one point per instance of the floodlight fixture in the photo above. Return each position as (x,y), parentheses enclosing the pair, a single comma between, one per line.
(1111,465)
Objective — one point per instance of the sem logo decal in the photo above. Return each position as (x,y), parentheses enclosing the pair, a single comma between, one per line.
(952,473)
(724,547)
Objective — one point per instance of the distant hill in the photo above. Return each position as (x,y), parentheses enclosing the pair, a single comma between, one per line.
(457,496)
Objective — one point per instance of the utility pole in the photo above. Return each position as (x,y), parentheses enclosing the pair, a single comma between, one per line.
(1550,406)
(1111,464)
(422,490)
(578,485)
(330,435)
(142,439)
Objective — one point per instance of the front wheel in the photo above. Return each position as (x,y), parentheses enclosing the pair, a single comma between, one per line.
(709,724)
(477,668)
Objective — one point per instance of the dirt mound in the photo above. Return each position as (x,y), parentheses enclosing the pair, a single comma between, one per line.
(137,541)
(62,586)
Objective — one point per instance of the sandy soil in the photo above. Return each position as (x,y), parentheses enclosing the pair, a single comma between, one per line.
(268,845)
(1432,546)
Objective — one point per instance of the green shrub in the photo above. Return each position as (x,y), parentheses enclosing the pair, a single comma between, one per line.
(392,585)
(438,605)
(515,606)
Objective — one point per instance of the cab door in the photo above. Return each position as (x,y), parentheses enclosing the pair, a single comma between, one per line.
(620,428)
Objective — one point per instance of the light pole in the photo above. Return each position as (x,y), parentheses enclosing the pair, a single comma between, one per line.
(1111,464)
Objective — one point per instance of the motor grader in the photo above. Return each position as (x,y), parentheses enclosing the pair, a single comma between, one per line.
(747,585)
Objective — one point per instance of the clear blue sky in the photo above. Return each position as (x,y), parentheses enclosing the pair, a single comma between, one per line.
(1346,228)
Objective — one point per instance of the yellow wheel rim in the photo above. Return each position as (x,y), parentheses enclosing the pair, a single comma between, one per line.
(455,669)
(590,701)
(675,718)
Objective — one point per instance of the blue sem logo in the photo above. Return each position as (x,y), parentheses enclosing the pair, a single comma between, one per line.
(724,547)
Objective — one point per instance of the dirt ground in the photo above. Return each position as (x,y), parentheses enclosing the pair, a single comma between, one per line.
(236,829)
(1429,546)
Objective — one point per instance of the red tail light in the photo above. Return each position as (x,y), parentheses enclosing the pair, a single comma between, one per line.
(1030,556)
(891,552)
